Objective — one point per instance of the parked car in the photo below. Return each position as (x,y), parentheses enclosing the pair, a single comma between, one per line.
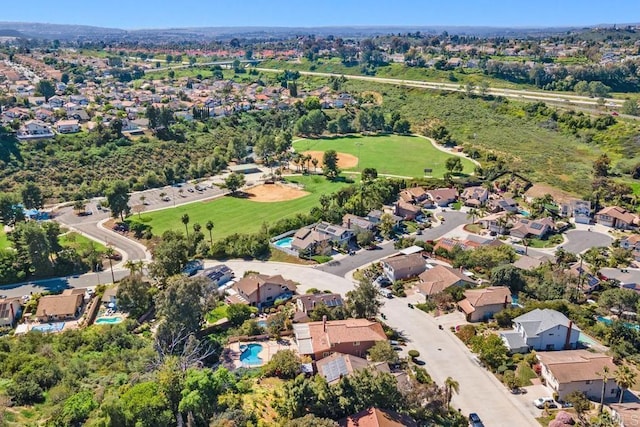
(474,420)
(542,401)
(166,198)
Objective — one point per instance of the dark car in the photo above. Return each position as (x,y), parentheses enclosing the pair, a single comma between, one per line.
(474,420)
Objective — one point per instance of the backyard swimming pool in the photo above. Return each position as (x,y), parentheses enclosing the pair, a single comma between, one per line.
(108,320)
(49,327)
(609,322)
(284,243)
(250,353)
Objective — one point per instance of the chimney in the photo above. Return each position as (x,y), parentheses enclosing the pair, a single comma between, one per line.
(258,295)
(324,323)
(567,340)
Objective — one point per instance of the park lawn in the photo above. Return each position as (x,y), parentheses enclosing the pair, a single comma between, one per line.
(236,215)
(388,154)
(80,242)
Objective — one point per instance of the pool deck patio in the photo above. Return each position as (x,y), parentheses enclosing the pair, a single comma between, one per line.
(231,353)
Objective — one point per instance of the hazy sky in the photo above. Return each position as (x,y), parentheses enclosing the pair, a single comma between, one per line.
(131,14)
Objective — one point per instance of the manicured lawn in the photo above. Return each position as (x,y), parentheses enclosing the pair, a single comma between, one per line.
(220,312)
(525,374)
(236,215)
(388,154)
(554,240)
(80,243)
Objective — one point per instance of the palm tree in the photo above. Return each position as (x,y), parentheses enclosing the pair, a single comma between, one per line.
(525,243)
(605,378)
(131,266)
(185,221)
(197,227)
(625,378)
(209,226)
(109,251)
(451,386)
(473,214)
(315,162)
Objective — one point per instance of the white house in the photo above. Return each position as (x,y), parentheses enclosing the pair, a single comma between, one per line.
(68,126)
(35,129)
(541,330)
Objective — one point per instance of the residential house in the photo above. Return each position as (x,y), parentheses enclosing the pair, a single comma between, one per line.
(541,330)
(443,196)
(449,244)
(616,217)
(218,275)
(403,266)
(9,310)
(438,278)
(375,417)
(475,196)
(631,242)
(337,366)
(375,216)
(577,370)
(626,414)
(355,223)
(307,303)
(538,228)
(349,336)
(59,307)
(482,304)
(406,210)
(337,234)
(528,263)
(35,129)
(307,242)
(579,209)
(495,223)
(414,195)
(109,297)
(260,290)
(587,282)
(502,204)
(68,126)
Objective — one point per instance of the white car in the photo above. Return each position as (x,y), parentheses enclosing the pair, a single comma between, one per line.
(542,401)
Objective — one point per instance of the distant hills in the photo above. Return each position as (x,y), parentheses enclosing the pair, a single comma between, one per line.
(87,33)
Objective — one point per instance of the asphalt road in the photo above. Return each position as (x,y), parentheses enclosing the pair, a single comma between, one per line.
(580,240)
(341,267)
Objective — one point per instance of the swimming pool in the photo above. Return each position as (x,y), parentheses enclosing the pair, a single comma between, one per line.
(524,213)
(284,243)
(49,327)
(108,320)
(250,353)
(262,323)
(609,322)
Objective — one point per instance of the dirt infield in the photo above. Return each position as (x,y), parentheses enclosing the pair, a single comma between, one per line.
(274,193)
(345,161)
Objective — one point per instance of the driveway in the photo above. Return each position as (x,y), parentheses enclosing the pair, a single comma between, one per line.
(579,241)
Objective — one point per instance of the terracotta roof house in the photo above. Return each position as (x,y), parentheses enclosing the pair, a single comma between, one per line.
(616,217)
(541,330)
(443,196)
(67,126)
(528,227)
(500,204)
(406,210)
(577,370)
(475,196)
(496,222)
(449,244)
(59,307)
(413,194)
(308,241)
(308,302)
(627,414)
(260,290)
(349,336)
(482,304)
(403,266)
(9,309)
(439,278)
(336,366)
(375,417)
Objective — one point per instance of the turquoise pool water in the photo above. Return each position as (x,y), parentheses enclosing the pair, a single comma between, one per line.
(262,323)
(49,327)
(284,243)
(108,320)
(249,355)
(524,213)
(608,322)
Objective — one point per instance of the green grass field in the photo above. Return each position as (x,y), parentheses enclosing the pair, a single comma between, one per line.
(80,243)
(388,154)
(236,215)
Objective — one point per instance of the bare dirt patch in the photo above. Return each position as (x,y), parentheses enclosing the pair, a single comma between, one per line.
(539,190)
(274,193)
(345,161)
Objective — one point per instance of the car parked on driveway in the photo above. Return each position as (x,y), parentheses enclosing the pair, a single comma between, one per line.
(541,402)
(474,420)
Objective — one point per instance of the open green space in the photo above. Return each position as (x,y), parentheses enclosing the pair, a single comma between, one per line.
(388,154)
(80,243)
(220,312)
(237,215)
